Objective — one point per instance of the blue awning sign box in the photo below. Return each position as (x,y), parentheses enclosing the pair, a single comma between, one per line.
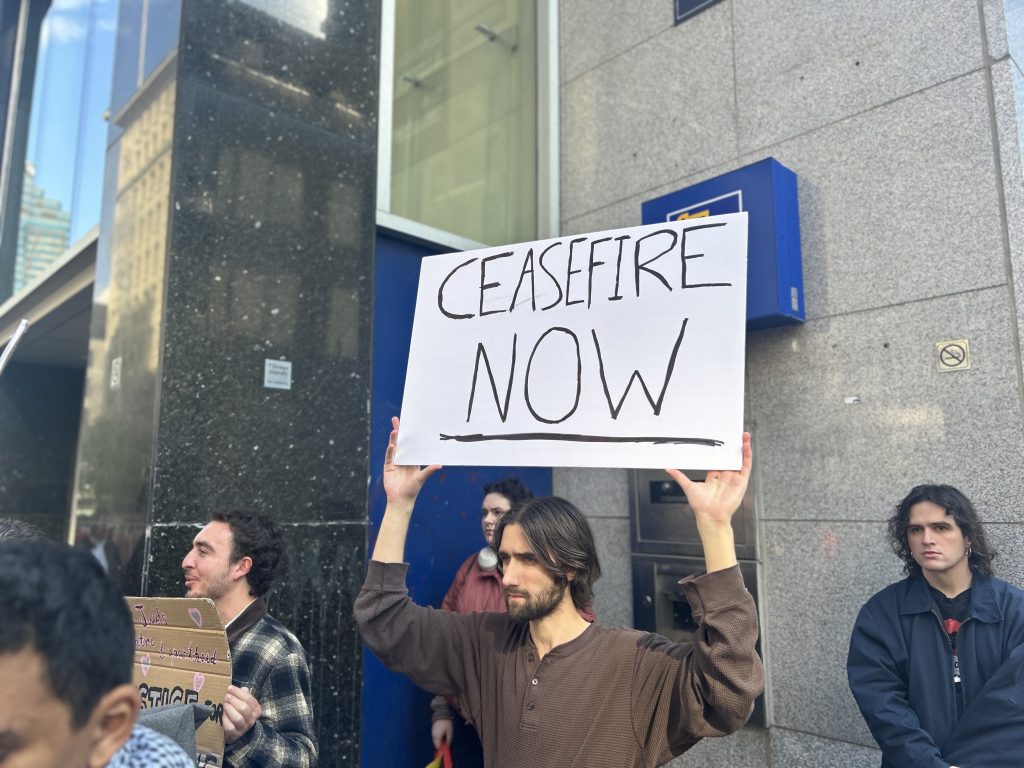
(766,190)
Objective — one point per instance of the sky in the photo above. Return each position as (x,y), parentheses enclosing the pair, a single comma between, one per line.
(67,133)
(72,91)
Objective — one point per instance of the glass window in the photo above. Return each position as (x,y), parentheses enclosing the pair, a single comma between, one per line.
(464,117)
(63,176)
(148,33)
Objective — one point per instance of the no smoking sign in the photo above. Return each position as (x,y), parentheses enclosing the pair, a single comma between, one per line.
(953,355)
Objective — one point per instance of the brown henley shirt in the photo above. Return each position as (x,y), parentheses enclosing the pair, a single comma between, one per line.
(610,697)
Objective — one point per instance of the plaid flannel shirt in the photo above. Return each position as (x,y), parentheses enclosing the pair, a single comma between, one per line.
(270,661)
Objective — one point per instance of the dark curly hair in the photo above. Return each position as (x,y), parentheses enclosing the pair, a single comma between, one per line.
(259,538)
(57,602)
(962,511)
(560,537)
(511,488)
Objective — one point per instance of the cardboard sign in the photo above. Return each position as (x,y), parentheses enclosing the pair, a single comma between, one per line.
(182,656)
(622,348)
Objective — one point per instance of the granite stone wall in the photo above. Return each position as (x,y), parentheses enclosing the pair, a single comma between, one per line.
(40,406)
(904,123)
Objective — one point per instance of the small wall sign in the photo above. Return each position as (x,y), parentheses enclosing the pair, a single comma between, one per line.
(115,373)
(277,374)
(953,355)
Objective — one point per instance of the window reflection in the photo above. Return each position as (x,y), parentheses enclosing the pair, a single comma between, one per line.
(111,496)
(308,16)
(42,232)
(464,137)
(63,174)
(110,504)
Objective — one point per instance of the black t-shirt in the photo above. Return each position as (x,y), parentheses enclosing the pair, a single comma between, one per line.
(954,611)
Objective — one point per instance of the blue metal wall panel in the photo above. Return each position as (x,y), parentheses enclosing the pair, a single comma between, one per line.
(767,191)
(395,728)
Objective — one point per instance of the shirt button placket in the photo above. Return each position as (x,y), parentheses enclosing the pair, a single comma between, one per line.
(531,696)
(530,714)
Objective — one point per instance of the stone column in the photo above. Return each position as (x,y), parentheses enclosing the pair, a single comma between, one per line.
(230,360)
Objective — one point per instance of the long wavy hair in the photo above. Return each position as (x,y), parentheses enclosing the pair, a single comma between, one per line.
(962,511)
(560,537)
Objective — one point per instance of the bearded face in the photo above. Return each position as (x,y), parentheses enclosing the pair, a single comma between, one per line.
(523,605)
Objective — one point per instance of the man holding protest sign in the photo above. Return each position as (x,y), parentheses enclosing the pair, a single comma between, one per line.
(545,687)
(66,650)
(475,588)
(268,714)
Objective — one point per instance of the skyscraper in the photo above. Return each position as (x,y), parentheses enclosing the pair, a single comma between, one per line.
(43,234)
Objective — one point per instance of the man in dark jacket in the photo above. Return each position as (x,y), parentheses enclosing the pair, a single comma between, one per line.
(931,653)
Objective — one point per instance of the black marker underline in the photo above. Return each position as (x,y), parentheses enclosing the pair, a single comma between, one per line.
(573,438)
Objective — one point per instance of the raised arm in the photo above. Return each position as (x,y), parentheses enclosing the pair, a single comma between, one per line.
(714,502)
(402,485)
(431,647)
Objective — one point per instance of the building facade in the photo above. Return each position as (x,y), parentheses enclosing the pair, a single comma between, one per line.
(271,173)
(42,232)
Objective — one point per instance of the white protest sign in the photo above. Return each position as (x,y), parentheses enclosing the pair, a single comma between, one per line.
(622,348)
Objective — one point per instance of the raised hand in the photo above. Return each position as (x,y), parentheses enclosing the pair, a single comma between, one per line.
(716,499)
(714,502)
(402,483)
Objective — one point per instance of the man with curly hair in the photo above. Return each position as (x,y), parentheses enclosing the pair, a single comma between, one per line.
(935,660)
(268,715)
